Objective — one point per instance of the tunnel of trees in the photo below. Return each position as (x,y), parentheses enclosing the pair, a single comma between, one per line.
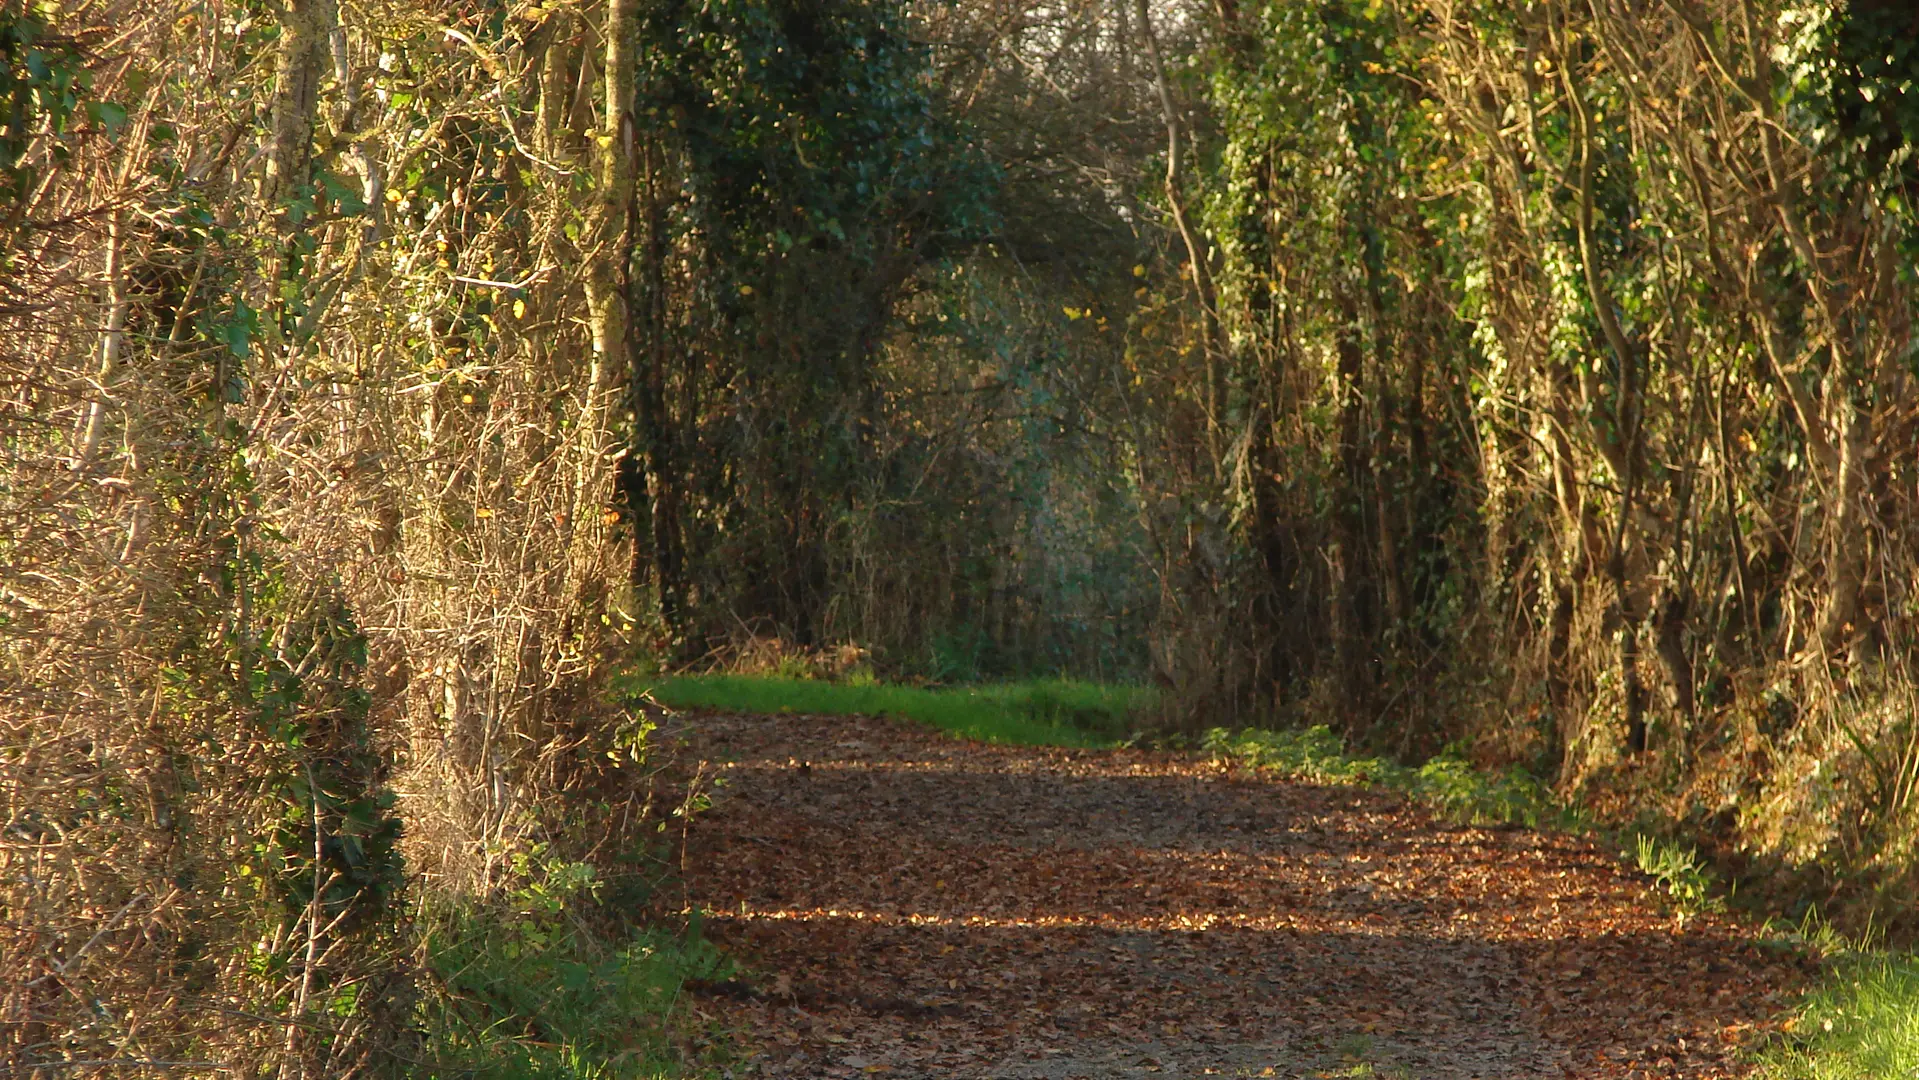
(384,382)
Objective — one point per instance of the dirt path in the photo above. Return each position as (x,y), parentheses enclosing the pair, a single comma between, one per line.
(918,906)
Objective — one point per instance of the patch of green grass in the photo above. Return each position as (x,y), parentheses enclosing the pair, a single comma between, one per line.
(1043,712)
(1448,782)
(1357,1052)
(1863,1024)
(527,989)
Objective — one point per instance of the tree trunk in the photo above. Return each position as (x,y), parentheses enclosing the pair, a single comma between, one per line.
(608,249)
(304,37)
(658,434)
(1355,646)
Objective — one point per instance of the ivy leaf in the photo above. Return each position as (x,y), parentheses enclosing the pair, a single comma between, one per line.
(343,195)
(109,115)
(237,332)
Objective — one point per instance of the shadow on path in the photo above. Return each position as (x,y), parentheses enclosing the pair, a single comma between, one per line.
(920,906)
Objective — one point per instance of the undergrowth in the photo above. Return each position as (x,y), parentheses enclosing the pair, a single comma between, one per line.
(1863,1022)
(1689,882)
(1450,783)
(543,985)
(1041,712)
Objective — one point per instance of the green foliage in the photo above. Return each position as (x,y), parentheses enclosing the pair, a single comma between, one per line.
(1861,1024)
(959,654)
(1481,797)
(530,987)
(810,124)
(819,175)
(1679,872)
(44,86)
(1848,76)
(1314,753)
(337,832)
(1048,712)
(1447,782)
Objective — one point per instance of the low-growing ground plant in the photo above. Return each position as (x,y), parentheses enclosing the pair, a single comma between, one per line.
(1679,872)
(1863,1022)
(1448,782)
(543,983)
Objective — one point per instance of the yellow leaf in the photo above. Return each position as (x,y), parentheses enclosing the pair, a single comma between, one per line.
(746,290)
(519,309)
(482,513)
(1139,270)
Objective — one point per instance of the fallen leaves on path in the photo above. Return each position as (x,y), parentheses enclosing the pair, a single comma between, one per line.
(914,905)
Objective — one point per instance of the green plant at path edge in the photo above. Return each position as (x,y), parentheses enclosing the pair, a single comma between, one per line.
(1863,1022)
(1679,872)
(530,988)
(1448,782)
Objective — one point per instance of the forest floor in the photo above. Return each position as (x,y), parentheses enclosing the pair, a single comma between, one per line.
(910,904)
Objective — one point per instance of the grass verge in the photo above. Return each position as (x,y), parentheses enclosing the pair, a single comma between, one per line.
(1863,1022)
(537,986)
(1448,782)
(1044,712)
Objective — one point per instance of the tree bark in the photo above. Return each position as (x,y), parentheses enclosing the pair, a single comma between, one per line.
(296,98)
(608,249)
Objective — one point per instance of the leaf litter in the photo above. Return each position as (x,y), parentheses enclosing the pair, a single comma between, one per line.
(916,905)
